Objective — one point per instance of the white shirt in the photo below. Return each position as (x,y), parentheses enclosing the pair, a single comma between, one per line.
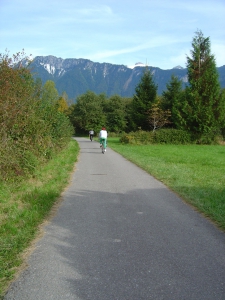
(103,134)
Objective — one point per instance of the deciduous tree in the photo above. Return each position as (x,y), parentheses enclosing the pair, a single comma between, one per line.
(62,104)
(88,112)
(50,94)
(115,112)
(158,117)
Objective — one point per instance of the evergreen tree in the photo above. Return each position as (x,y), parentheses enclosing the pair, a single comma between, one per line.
(222,112)
(146,92)
(203,101)
(172,100)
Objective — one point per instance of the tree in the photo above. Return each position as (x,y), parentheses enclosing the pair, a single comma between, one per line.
(62,103)
(146,92)
(203,94)
(172,100)
(222,112)
(115,112)
(49,93)
(88,112)
(158,117)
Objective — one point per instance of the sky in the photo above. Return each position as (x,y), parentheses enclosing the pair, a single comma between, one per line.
(157,33)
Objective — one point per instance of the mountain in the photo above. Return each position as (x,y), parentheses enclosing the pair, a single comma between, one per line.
(76,76)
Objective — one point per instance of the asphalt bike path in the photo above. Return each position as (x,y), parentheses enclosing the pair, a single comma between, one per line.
(121,234)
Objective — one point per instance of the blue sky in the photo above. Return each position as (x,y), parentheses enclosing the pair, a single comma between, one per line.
(158,33)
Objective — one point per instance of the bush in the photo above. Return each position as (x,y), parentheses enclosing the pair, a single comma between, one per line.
(160,136)
(171,136)
(139,137)
(31,128)
(209,138)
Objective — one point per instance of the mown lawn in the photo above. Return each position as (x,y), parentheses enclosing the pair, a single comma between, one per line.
(195,172)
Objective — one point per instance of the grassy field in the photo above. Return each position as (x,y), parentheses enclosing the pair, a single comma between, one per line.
(196,173)
(24,206)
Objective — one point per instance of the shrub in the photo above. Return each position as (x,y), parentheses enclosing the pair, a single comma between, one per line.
(139,137)
(171,136)
(160,136)
(31,128)
(209,138)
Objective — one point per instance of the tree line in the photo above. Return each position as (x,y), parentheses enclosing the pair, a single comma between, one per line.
(199,109)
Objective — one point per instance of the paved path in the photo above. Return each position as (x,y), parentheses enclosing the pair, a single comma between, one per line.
(121,234)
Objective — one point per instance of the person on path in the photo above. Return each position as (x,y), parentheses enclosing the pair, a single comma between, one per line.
(103,137)
(91,134)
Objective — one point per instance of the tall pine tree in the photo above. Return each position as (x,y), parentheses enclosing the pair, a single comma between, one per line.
(203,94)
(146,92)
(172,100)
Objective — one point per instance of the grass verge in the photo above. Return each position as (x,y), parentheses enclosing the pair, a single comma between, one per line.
(194,172)
(24,206)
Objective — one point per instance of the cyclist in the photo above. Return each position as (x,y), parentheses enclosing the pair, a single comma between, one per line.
(91,134)
(103,137)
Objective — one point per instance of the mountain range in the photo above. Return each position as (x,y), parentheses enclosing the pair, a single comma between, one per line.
(77,76)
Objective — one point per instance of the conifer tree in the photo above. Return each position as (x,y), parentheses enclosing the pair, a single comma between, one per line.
(146,92)
(172,100)
(203,100)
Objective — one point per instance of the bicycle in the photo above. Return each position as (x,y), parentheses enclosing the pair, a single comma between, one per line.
(103,146)
(91,137)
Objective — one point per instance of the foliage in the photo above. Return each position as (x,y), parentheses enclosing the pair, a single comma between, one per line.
(139,137)
(171,136)
(49,93)
(31,128)
(88,113)
(146,92)
(161,136)
(203,102)
(62,105)
(158,117)
(172,100)
(222,109)
(115,113)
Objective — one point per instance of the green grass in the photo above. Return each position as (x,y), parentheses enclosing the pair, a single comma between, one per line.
(24,206)
(196,173)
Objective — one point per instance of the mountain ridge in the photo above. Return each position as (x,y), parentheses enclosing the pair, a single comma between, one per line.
(76,76)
